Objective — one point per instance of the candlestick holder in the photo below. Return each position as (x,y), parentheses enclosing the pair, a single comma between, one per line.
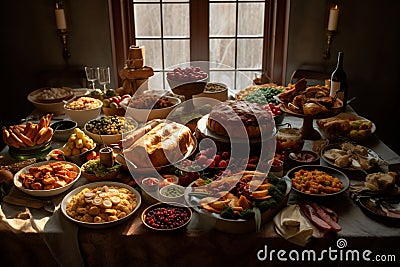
(63,34)
(327,52)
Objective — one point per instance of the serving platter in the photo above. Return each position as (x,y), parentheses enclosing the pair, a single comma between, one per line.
(371,154)
(373,206)
(42,192)
(239,225)
(74,192)
(339,134)
(328,170)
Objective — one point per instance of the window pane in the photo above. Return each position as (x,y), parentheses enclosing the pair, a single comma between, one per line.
(146,27)
(226,77)
(183,1)
(176,52)
(249,53)
(156,81)
(146,1)
(153,56)
(244,79)
(176,20)
(251,19)
(223,51)
(222,19)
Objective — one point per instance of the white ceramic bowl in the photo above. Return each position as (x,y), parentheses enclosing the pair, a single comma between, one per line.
(210,97)
(108,139)
(172,193)
(84,115)
(144,115)
(42,192)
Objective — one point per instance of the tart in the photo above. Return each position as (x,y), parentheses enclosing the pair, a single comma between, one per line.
(228,118)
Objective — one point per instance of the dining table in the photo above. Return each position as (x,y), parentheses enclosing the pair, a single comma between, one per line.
(36,237)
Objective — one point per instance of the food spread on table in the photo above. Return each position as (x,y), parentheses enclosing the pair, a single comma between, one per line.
(212,180)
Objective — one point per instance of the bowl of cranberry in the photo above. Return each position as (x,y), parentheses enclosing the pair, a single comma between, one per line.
(166,216)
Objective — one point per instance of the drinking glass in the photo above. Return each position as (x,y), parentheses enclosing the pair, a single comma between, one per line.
(91,75)
(103,74)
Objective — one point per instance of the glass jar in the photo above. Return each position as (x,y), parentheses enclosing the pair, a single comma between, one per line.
(289,140)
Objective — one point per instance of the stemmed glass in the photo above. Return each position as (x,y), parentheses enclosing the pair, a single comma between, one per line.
(103,74)
(91,75)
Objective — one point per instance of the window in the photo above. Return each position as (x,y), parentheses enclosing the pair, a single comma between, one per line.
(238,37)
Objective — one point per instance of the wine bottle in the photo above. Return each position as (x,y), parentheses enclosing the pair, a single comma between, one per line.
(339,81)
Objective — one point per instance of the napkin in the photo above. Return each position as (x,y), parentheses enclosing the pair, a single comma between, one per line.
(291,225)
(60,235)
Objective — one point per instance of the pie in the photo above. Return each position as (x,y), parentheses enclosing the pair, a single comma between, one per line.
(239,119)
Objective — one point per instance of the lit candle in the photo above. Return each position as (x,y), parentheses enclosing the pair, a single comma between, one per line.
(333,18)
(60,18)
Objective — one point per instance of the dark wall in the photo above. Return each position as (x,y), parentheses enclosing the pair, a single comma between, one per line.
(368,33)
(30,47)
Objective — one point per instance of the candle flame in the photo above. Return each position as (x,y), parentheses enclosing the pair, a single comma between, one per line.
(335,7)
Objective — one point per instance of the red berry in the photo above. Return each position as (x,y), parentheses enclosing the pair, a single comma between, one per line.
(222,164)
(225,155)
(210,163)
(217,159)
(202,160)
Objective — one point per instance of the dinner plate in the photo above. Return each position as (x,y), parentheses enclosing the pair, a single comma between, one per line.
(42,192)
(329,170)
(74,192)
(371,154)
(337,135)
(372,205)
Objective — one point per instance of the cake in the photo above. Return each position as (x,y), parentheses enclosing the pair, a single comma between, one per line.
(228,118)
(166,143)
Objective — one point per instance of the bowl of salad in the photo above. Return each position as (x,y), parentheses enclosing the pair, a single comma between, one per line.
(94,171)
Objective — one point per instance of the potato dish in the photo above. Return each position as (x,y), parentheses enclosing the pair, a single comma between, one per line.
(101,204)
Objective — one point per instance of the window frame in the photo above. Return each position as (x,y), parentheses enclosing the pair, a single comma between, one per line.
(275,43)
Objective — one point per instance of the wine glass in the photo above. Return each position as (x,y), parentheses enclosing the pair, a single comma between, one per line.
(103,74)
(91,75)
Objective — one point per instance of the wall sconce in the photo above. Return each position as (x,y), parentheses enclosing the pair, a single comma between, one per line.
(62,29)
(331,30)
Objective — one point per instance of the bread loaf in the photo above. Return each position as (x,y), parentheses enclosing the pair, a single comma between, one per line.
(166,143)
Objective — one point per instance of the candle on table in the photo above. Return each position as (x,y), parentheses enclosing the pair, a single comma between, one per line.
(60,18)
(333,18)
